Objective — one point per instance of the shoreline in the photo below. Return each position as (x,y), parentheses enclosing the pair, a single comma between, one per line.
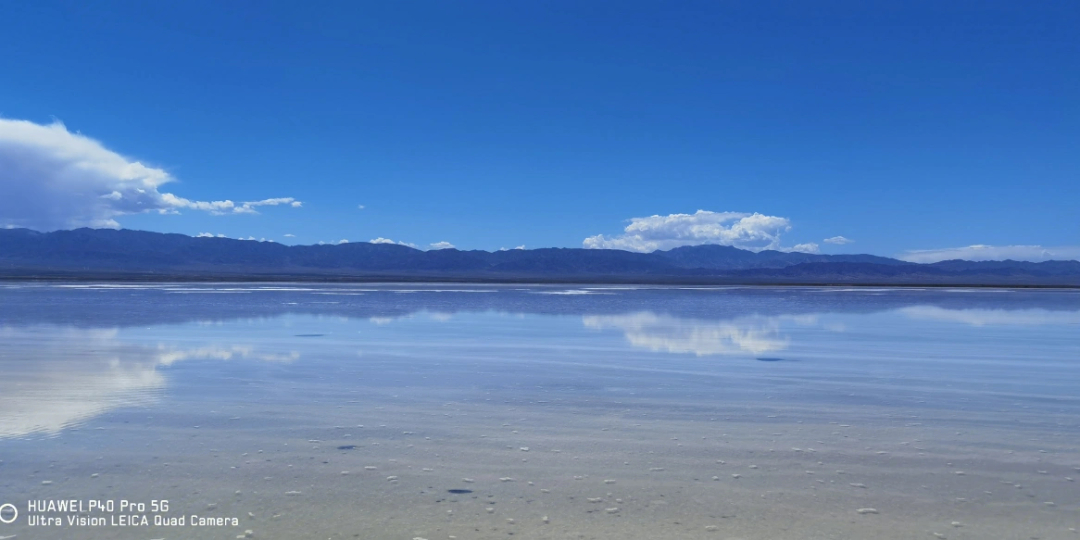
(508,280)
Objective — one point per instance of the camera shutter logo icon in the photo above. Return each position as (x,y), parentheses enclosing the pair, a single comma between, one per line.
(8,513)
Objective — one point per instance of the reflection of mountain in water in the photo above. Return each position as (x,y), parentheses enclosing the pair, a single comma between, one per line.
(141,305)
(745,335)
(55,378)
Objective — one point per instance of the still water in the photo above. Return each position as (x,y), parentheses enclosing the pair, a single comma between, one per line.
(475,412)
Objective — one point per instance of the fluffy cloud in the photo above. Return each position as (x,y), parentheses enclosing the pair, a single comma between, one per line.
(218,208)
(381,240)
(52,179)
(209,235)
(994,253)
(840,240)
(441,245)
(742,230)
(808,247)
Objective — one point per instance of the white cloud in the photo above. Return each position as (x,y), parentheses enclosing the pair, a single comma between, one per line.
(287,235)
(441,245)
(342,241)
(209,235)
(808,247)
(522,246)
(738,229)
(220,208)
(980,252)
(361,207)
(840,240)
(51,178)
(381,240)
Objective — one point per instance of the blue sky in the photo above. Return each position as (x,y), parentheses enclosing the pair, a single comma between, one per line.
(900,126)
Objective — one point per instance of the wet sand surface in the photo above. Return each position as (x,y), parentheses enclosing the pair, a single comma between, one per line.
(819,419)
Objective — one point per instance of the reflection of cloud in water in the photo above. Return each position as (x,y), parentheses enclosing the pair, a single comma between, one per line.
(572,292)
(169,356)
(746,335)
(436,316)
(804,320)
(57,378)
(988,317)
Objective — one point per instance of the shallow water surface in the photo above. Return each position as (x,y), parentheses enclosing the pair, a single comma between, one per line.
(441,412)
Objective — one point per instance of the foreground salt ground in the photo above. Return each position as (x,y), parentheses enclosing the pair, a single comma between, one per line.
(571,470)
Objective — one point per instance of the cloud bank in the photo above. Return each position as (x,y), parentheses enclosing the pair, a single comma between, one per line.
(981,252)
(747,231)
(839,240)
(53,179)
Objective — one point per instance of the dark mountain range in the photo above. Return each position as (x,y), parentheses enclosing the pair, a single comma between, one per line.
(730,258)
(125,254)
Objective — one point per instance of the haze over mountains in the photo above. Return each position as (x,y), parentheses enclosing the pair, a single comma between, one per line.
(127,254)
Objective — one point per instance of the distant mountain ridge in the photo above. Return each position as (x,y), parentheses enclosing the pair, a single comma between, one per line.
(108,253)
(732,258)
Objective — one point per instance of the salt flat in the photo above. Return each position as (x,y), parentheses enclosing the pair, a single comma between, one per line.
(637,413)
